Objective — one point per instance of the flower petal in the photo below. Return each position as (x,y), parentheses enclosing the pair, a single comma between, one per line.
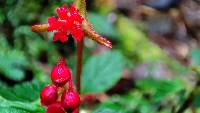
(53,23)
(62,12)
(60,36)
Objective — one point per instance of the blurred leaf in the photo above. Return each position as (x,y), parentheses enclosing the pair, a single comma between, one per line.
(12,61)
(23,11)
(33,44)
(19,107)
(196,102)
(25,31)
(160,89)
(101,72)
(135,43)
(2,17)
(102,25)
(11,110)
(195,56)
(26,92)
(106,111)
(132,102)
(69,2)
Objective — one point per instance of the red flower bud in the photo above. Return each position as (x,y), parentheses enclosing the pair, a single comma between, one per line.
(48,95)
(60,74)
(55,108)
(70,100)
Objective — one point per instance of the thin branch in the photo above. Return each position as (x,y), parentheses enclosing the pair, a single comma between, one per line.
(40,28)
(91,33)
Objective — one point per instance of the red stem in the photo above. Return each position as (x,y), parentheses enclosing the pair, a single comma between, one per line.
(79,65)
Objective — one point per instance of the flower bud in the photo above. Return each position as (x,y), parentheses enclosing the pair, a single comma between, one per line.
(48,95)
(60,74)
(70,100)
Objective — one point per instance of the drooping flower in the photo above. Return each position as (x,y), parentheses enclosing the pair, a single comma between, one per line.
(68,22)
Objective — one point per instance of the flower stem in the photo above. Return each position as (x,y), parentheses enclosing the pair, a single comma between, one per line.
(79,65)
(81,6)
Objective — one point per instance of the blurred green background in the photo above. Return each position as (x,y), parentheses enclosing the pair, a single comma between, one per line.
(152,68)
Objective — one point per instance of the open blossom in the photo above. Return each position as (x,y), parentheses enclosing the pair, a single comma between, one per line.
(68,22)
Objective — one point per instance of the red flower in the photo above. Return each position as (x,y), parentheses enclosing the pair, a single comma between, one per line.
(69,21)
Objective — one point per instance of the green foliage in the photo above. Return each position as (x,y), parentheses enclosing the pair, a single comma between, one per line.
(22,50)
(132,102)
(106,111)
(24,10)
(11,110)
(150,94)
(102,25)
(25,92)
(33,43)
(134,42)
(195,56)
(101,72)
(7,106)
(12,61)
(161,89)
(22,98)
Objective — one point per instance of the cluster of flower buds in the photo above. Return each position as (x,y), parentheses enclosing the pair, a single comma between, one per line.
(60,96)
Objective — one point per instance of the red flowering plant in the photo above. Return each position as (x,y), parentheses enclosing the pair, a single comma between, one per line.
(61,97)
(57,97)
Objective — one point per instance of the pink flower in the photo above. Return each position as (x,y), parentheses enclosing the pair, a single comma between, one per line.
(68,22)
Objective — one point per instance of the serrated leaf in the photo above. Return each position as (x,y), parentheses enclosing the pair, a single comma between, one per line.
(26,92)
(102,25)
(19,107)
(101,72)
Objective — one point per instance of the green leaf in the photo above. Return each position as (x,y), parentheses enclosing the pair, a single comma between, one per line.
(11,110)
(12,61)
(101,72)
(102,25)
(24,11)
(160,89)
(26,92)
(7,106)
(106,111)
(25,31)
(195,56)
(133,102)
